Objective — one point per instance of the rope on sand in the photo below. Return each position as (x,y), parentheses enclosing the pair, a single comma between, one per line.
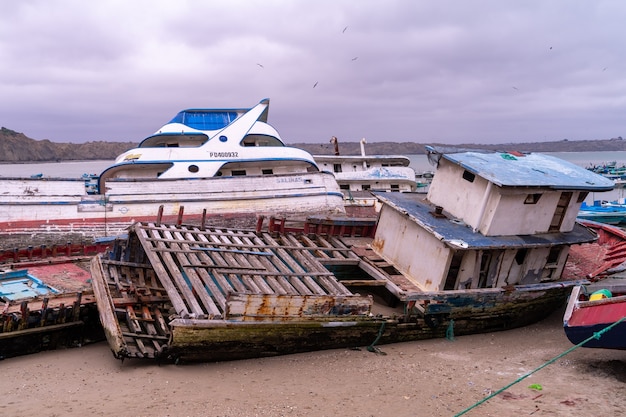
(371,347)
(596,336)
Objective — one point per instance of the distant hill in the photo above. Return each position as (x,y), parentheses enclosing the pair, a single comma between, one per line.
(411,148)
(17,147)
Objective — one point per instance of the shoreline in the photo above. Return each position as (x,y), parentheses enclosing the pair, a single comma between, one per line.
(434,377)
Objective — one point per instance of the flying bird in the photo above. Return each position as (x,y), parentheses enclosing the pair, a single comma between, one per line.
(315,85)
(514,88)
(260,65)
(355,58)
(344,29)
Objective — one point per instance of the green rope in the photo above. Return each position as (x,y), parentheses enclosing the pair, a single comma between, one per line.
(371,347)
(596,336)
(450,331)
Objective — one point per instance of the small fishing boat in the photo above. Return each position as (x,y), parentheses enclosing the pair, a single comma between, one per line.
(604,212)
(46,299)
(359,175)
(484,250)
(226,164)
(596,314)
(369,172)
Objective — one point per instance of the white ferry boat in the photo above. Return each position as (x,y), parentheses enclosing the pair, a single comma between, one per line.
(226,163)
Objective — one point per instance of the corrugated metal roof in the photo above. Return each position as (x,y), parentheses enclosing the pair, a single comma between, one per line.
(530,170)
(457,234)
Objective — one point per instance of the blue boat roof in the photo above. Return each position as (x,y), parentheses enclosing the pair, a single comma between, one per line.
(459,235)
(530,170)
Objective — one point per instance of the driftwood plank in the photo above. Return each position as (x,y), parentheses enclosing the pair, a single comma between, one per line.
(329,282)
(105,307)
(179,276)
(279,283)
(211,281)
(307,280)
(217,259)
(196,282)
(177,301)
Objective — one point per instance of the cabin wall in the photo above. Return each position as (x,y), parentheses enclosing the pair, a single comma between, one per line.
(495,211)
(397,241)
(510,216)
(505,268)
(459,198)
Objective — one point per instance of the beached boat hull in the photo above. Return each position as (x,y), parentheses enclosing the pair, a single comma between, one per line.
(585,318)
(178,293)
(64,206)
(47,304)
(212,340)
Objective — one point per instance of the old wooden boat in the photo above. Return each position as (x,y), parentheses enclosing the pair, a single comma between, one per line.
(484,251)
(604,212)
(596,314)
(599,259)
(227,164)
(359,175)
(46,299)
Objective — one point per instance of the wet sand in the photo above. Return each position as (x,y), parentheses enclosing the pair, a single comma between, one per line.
(425,378)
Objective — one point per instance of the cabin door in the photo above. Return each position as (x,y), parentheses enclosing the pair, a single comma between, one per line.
(559,213)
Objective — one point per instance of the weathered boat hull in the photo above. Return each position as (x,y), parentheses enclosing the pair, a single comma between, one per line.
(63,205)
(587,319)
(215,340)
(181,293)
(63,314)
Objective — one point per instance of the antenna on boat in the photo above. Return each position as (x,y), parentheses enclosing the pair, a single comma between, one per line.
(335,143)
(363,142)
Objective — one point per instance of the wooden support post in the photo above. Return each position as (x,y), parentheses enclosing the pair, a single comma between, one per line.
(23,324)
(203,224)
(44,312)
(259,223)
(76,312)
(159,216)
(181,211)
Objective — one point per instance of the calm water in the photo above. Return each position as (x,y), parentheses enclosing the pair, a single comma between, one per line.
(418,162)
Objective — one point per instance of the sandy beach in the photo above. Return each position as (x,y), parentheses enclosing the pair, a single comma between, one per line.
(426,378)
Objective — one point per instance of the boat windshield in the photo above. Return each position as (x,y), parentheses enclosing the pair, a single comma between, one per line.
(205,119)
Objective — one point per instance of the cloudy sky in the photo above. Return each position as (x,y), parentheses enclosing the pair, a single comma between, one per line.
(396,70)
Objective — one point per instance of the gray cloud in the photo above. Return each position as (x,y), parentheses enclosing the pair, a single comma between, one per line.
(445,71)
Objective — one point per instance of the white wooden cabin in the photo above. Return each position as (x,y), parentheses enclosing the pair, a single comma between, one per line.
(489,220)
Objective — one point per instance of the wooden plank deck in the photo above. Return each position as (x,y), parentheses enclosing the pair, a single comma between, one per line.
(187,272)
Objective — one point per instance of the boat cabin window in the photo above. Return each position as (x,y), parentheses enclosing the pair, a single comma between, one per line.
(193,168)
(366,187)
(337,167)
(553,256)
(520,256)
(468,176)
(395,187)
(261,140)
(238,172)
(268,171)
(344,187)
(532,198)
(581,197)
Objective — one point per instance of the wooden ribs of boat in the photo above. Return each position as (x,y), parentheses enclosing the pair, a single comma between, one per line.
(216,275)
